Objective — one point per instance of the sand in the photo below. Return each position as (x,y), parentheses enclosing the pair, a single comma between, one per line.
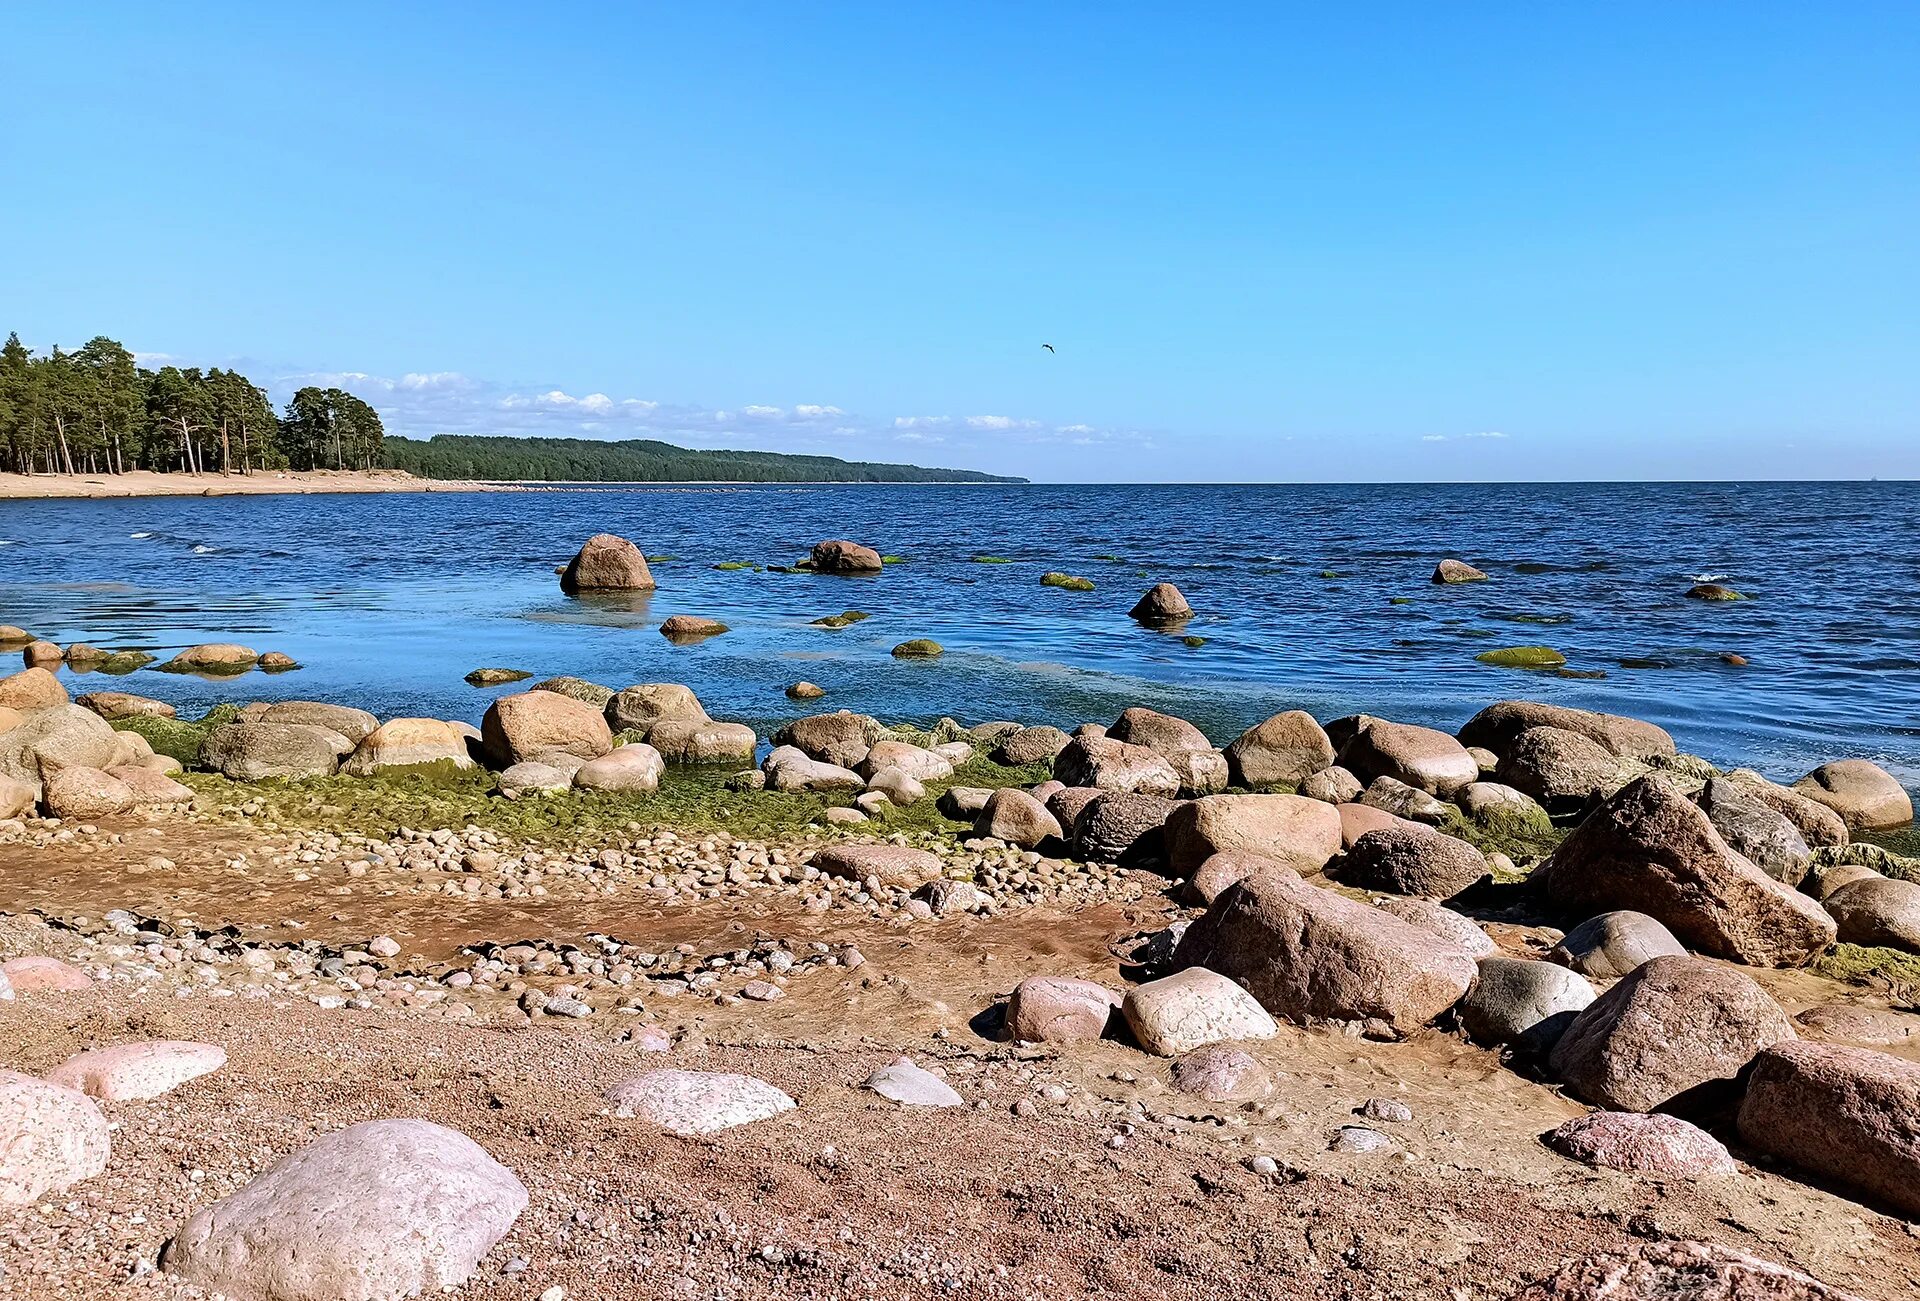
(1071,1173)
(147,483)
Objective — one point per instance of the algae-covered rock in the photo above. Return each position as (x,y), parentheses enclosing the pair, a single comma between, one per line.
(1054,578)
(496,677)
(1523,657)
(920,648)
(845,619)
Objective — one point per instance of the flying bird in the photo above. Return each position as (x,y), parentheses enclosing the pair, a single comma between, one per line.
(1047,346)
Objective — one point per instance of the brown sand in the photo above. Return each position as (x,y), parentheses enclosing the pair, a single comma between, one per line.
(147,483)
(847,1196)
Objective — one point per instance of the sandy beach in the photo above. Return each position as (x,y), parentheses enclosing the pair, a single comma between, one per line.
(147,483)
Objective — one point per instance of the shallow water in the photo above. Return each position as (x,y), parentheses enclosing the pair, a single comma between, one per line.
(390,600)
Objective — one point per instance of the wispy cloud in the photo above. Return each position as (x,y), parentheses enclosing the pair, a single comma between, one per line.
(1456,438)
(422,404)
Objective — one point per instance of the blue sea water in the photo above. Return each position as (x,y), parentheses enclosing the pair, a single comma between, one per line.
(389,600)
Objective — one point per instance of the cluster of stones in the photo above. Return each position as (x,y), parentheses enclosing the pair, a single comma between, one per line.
(215,659)
(1667,859)
(380,1209)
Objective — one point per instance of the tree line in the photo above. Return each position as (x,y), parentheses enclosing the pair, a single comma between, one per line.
(641,460)
(95,411)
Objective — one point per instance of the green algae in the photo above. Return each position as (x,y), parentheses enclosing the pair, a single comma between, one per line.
(1862,964)
(736,564)
(1523,657)
(1054,578)
(919,648)
(992,560)
(1193,642)
(179,739)
(845,619)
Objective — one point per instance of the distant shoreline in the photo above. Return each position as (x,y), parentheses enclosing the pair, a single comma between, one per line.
(148,483)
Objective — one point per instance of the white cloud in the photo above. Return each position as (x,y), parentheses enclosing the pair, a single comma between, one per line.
(1451,438)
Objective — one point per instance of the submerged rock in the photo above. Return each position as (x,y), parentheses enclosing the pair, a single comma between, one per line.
(1162,605)
(1457,571)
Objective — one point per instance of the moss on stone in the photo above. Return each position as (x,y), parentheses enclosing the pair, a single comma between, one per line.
(919,648)
(1399,600)
(1071,583)
(846,618)
(992,560)
(734,564)
(1193,642)
(1523,657)
(179,739)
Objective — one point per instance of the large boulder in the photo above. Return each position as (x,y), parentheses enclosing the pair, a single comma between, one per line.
(78,792)
(213,659)
(788,769)
(524,726)
(894,865)
(134,1072)
(1848,1114)
(842,557)
(1407,803)
(375,1211)
(917,762)
(46,739)
(1309,953)
(1029,745)
(1118,827)
(685,740)
(607,564)
(1403,860)
(1162,605)
(1495,727)
(409,743)
(354,724)
(1614,944)
(254,752)
(1302,833)
(1356,820)
(1016,817)
(1190,1008)
(1650,849)
(1283,751)
(1453,927)
(1115,766)
(1860,791)
(151,786)
(1673,1035)
(16,798)
(1650,1143)
(1563,770)
(689,1103)
(839,739)
(1678,1271)
(1058,1009)
(1524,1003)
(587,693)
(51,1137)
(637,708)
(1761,834)
(1165,734)
(1457,571)
(1333,785)
(1873,910)
(1817,824)
(1421,757)
(634,767)
(124,704)
(31,689)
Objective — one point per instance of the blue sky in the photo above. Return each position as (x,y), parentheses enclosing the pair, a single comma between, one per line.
(1316,242)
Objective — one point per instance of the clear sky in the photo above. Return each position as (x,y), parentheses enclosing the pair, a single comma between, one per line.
(1386,241)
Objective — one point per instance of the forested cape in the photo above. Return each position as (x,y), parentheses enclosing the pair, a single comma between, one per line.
(641,460)
(96,411)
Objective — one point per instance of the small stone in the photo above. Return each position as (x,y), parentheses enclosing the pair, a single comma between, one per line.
(1388,1110)
(911,1085)
(696,1102)
(1360,1140)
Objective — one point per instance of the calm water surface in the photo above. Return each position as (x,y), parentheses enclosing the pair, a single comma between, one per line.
(389,600)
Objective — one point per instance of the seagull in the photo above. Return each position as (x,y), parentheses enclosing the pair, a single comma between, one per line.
(1048,347)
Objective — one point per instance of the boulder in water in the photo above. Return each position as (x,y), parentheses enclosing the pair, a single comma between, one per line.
(607,563)
(843,557)
(1161,606)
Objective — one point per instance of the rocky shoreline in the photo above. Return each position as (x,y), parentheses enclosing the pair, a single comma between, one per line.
(1686,977)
